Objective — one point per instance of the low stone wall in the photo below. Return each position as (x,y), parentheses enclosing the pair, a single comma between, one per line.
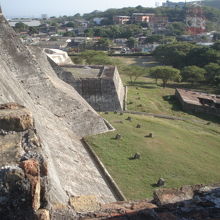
(197,108)
(112,185)
(198,202)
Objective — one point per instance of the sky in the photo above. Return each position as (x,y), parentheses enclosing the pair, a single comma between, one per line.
(35,8)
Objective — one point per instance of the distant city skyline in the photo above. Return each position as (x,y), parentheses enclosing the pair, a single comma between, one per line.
(33,8)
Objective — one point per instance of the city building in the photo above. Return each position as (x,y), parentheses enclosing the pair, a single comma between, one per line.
(169,4)
(121,19)
(142,17)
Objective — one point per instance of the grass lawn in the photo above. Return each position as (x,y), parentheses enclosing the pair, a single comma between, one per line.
(141,61)
(146,96)
(182,152)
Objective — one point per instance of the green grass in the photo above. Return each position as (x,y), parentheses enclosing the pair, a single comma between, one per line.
(146,96)
(181,152)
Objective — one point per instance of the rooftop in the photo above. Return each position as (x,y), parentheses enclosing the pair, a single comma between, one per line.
(196,98)
(90,71)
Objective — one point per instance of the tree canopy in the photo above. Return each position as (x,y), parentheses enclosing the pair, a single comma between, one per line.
(134,72)
(93,57)
(173,54)
(193,74)
(165,73)
(213,73)
(183,54)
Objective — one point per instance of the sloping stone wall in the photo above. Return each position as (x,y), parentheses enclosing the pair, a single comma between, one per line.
(61,116)
(104,93)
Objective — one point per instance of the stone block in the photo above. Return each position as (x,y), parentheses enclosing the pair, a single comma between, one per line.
(170,196)
(43,214)
(83,204)
(32,171)
(14,117)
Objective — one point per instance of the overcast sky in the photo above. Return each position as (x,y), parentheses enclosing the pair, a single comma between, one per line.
(34,8)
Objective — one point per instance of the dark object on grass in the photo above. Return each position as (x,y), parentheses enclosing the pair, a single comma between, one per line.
(161,182)
(117,137)
(149,135)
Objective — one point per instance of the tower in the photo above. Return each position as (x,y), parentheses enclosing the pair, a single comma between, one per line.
(195,19)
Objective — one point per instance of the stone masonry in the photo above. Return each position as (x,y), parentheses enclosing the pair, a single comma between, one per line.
(199,102)
(100,86)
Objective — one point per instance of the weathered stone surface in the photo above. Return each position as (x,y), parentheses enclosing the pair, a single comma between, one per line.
(43,214)
(167,196)
(14,117)
(85,203)
(100,86)
(11,105)
(15,194)
(31,169)
(204,204)
(167,216)
(61,118)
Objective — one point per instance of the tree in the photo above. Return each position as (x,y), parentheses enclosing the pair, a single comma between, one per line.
(176,28)
(213,73)
(201,56)
(94,57)
(165,73)
(134,72)
(69,34)
(216,45)
(103,44)
(20,27)
(193,74)
(132,42)
(53,38)
(70,24)
(173,54)
(33,30)
(155,38)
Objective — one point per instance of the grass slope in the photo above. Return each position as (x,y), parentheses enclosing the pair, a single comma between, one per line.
(181,152)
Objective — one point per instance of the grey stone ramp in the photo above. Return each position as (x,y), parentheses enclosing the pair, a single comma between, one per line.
(61,118)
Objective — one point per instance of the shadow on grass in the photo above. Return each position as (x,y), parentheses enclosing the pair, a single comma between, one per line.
(154,185)
(172,100)
(146,85)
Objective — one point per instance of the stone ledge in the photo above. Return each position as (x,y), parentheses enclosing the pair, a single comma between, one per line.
(14,117)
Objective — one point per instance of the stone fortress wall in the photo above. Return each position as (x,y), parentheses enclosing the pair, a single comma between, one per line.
(104,92)
(100,86)
(62,117)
